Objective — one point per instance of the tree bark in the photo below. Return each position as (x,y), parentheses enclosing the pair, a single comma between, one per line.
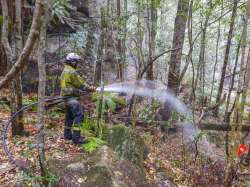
(224,68)
(152,31)
(16,95)
(245,86)
(120,72)
(93,39)
(17,126)
(227,113)
(29,45)
(41,89)
(178,41)
(216,58)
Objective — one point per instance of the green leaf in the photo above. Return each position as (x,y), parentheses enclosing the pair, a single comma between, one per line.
(93,144)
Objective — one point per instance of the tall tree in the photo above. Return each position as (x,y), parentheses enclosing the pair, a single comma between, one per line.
(152,31)
(178,41)
(93,36)
(119,42)
(41,87)
(17,126)
(29,44)
(224,68)
(12,54)
(244,67)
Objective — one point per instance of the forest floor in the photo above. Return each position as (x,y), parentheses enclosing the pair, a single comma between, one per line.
(168,154)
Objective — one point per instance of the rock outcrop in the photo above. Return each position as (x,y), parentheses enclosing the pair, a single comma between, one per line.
(128,144)
(103,168)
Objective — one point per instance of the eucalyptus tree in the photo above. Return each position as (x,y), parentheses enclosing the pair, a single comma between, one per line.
(178,41)
(12,50)
(226,58)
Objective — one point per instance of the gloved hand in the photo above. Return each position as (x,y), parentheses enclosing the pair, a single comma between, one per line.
(92,88)
(88,88)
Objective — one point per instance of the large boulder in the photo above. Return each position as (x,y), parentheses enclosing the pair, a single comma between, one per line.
(103,168)
(128,144)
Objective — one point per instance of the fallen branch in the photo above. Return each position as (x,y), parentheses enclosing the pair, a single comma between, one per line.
(223,127)
(209,108)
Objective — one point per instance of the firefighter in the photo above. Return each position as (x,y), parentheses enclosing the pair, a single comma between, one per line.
(72,85)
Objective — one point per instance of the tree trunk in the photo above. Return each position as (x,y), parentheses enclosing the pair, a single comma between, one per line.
(245,87)
(120,72)
(227,113)
(216,58)
(175,59)
(100,54)
(178,41)
(29,45)
(242,69)
(17,126)
(93,38)
(16,95)
(152,31)
(41,89)
(224,68)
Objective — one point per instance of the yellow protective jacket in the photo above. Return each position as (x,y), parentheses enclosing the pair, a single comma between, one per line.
(71,82)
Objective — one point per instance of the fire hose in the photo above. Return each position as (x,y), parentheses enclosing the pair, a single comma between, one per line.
(8,125)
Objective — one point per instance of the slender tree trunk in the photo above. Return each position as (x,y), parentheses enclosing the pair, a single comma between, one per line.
(120,73)
(5,33)
(227,113)
(93,39)
(152,31)
(100,55)
(16,95)
(28,47)
(245,87)
(178,41)
(41,89)
(224,68)
(243,66)
(17,126)
(216,58)
(125,15)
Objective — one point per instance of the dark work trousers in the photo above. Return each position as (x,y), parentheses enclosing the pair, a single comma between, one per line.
(73,118)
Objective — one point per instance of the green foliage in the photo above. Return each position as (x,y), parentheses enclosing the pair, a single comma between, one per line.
(148,113)
(56,113)
(5,107)
(1,19)
(30,120)
(110,101)
(88,127)
(30,100)
(31,179)
(94,134)
(93,144)
(142,4)
(61,10)
(199,135)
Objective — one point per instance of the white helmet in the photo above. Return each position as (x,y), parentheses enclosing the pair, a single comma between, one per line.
(72,57)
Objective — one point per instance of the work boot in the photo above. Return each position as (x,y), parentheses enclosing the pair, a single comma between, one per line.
(76,138)
(67,134)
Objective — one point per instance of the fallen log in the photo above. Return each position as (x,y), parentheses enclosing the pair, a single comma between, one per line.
(223,127)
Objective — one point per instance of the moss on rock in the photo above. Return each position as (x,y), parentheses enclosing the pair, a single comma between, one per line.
(103,168)
(127,143)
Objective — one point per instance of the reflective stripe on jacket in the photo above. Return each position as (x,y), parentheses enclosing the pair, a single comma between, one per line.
(71,82)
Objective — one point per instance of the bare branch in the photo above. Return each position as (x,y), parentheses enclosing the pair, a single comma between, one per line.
(29,45)
(154,59)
